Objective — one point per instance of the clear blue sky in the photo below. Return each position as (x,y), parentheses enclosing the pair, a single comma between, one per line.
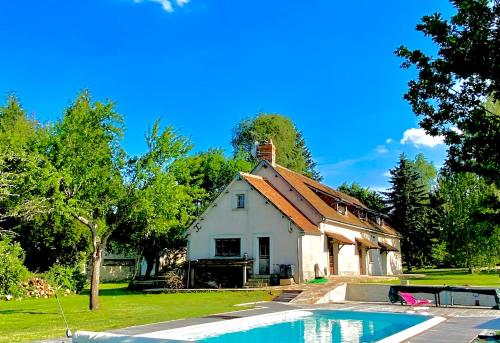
(202,65)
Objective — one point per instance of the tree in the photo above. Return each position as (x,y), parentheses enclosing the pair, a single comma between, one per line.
(207,173)
(426,171)
(158,208)
(17,131)
(450,90)
(407,200)
(470,232)
(370,198)
(291,150)
(86,184)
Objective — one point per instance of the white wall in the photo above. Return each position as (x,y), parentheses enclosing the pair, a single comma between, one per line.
(312,253)
(348,255)
(257,219)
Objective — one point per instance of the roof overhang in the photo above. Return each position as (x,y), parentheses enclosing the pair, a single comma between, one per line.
(386,247)
(366,243)
(340,238)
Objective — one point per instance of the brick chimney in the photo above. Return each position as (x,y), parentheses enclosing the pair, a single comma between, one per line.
(267,151)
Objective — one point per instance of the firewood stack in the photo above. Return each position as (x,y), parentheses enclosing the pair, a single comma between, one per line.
(38,288)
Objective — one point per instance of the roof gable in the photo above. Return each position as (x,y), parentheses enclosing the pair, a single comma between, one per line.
(268,191)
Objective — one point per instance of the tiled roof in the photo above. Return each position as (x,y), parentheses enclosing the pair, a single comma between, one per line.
(277,199)
(304,187)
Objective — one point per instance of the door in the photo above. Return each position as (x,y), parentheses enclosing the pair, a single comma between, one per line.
(263,255)
(332,259)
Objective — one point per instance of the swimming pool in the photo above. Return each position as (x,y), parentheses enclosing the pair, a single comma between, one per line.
(326,326)
(306,326)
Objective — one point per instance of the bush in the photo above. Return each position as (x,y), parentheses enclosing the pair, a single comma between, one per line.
(66,277)
(12,270)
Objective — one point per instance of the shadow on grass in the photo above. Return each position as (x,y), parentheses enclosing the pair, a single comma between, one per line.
(113,292)
(24,312)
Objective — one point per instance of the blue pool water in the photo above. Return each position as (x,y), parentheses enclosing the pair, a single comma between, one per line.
(326,326)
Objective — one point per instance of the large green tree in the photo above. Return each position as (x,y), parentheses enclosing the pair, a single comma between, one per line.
(450,90)
(84,174)
(208,172)
(470,229)
(407,200)
(158,207)
(291,149)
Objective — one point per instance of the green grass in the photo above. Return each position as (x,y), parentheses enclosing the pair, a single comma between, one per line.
(31,319)
(451,277)
(319,280)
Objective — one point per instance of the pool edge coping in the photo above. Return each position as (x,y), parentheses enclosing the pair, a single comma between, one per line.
(228,326)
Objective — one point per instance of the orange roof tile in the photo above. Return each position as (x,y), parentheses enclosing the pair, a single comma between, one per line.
(277,199)
(304,187)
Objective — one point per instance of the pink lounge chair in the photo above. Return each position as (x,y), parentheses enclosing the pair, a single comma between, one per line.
(412,301)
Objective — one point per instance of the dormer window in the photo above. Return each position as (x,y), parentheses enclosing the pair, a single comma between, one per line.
(362,215)
(341,208)
(378,220)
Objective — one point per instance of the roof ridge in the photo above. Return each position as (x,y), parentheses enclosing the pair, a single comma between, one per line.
(252,175)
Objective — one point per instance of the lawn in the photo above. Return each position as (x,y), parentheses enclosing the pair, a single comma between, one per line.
(452,277)
(30,319)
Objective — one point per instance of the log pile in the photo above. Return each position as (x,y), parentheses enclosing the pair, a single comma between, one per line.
(38,288)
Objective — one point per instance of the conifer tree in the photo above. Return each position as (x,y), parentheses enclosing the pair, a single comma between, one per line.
(407,200)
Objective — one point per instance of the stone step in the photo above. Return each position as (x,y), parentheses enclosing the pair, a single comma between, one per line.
(287,296)
(256,284)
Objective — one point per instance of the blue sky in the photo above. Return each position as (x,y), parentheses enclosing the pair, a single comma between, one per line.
(203,65)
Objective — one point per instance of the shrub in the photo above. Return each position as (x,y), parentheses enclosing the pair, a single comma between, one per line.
(66,277)
(12,270)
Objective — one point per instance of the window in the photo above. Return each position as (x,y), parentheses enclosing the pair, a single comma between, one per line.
(379,220)
(240,200)
(341,208)
(227,247)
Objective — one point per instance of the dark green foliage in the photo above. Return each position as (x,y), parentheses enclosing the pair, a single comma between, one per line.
(451,87)
(407,201)
(12,270)
(291,149)
(370,198)
(50,239)
(66,277)
(468,217)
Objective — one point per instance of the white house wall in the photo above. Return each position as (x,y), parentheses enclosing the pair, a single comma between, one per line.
(348,261)
(312,254)
(259,218)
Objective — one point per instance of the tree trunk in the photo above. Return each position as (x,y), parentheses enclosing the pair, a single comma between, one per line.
(96,274)
(150,262)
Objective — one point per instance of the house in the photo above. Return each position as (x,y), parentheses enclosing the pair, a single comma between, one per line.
(274,216)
